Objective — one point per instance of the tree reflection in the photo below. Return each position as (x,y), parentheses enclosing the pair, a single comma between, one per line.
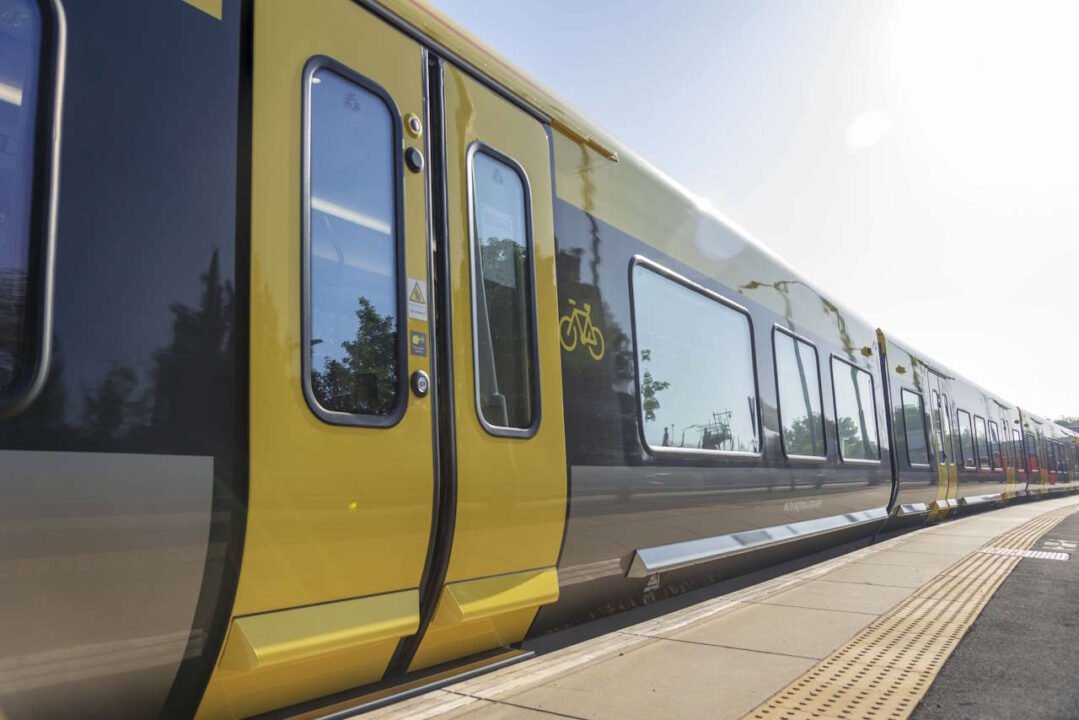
(803,436)
(855,443)
(109,405)
(503,321)
(196,368)
(365,380)
(650,388)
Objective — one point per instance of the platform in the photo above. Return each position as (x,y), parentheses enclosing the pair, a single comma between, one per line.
(883,631)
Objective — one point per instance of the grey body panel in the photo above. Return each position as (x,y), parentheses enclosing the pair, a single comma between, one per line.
(101,561)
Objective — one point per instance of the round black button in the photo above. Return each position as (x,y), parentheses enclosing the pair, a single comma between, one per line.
(421,384)
(414,159)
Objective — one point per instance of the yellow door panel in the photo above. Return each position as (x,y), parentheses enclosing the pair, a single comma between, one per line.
(511,491)
(477,599)
(287,636)
(339,514)
(944,443)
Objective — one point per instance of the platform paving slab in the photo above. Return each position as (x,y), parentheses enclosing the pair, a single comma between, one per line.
(906,558)
(779,629)
(867,573)
(846,597)
(667,679)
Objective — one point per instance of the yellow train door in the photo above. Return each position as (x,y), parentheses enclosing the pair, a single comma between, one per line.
(342,474)
(498,276)
(943,445)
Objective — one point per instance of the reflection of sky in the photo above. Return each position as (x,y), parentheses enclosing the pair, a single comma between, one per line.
(702,349)
(18,68)
(500,215)
(851,137)
(352,218)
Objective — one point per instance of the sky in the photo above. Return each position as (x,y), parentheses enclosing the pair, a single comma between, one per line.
(917,160)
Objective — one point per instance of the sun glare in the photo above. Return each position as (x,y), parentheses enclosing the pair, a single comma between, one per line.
(988,89)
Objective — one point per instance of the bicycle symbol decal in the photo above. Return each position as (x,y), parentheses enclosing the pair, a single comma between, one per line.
(577,328)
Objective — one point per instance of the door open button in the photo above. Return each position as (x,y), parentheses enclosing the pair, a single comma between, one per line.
(421,384)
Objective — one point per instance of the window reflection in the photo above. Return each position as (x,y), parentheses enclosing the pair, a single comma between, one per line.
(966,439)
(20,36)
(694,368)
(981,443)
(914,424)
(353,249)
(995,454)
(856,412)
(502,248)
(1032,452)
(799,396)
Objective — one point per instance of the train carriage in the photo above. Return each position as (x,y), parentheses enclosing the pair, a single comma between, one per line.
(337,359)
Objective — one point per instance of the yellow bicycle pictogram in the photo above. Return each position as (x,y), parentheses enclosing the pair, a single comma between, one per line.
(577,328)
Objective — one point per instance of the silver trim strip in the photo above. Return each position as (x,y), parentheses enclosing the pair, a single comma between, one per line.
(662,558)
(912,509)
(979,499)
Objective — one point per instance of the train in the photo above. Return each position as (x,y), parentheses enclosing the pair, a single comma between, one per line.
(338,359)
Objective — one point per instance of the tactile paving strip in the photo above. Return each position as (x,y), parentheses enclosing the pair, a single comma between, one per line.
(883,671)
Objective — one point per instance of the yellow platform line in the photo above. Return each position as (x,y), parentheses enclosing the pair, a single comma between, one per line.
(884,670)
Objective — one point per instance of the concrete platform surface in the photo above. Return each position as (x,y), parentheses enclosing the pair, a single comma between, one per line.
(724,657)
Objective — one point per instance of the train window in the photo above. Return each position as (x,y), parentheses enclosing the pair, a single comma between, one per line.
(855,412)
(695,373)
(981,442)
(19,52)
(914,427)
(503,314)
(798,381)
(995,457)
(353,273)
(966,439)
(1032,452)
(1017,450)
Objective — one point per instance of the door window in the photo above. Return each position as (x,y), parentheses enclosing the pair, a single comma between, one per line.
(995,458)
(981,443)
(966,439)
(503,306)
(914,426)
(353,339)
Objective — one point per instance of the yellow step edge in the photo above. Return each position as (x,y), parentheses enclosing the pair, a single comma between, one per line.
(274,638)
(476,599)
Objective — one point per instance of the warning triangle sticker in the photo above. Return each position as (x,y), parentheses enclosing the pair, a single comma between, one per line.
(416,295)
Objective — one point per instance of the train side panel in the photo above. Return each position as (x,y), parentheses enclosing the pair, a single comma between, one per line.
(652,483)
(122,484)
